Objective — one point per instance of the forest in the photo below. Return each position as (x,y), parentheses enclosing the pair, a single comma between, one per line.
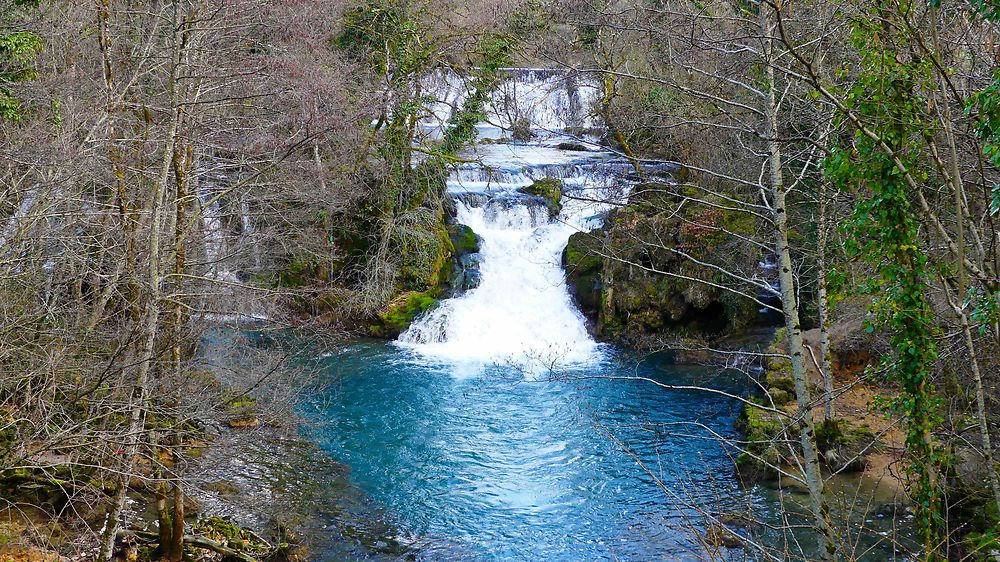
(499,280)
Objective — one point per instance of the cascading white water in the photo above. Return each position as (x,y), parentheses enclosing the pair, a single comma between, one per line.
(551,100)
(14,221)
(215,237)
(521,312)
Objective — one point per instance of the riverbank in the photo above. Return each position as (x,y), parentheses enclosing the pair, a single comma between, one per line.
(252,485)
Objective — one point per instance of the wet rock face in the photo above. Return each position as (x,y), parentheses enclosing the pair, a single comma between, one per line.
(465,273)
(583,264)
(457,270)
(396,316)
(633,280)
(549,190)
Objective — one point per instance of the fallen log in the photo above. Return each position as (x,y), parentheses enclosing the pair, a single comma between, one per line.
(149,537)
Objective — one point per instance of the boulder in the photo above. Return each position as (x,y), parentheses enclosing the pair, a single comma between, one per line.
(583,262)
(548,189)
(464,240)
(760,456)
(845,448)
(465,274)
(521,130)
(396,316)
(634,279)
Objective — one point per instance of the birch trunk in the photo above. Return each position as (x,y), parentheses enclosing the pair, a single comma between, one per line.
(796,348)
(826,367)
(977,381)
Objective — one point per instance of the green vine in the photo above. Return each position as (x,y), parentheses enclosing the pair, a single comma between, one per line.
(986,106)
(496,52)
(884,232)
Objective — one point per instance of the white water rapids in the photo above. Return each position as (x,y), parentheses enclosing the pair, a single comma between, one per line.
(521,309)
(522,314)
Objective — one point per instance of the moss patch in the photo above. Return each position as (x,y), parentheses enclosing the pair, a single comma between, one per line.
(230,534)
(761,430)
(238,403)
(583,264)
(653,290)
(401,312)
(463,239)
(425,252)
(980,545)
(549,189)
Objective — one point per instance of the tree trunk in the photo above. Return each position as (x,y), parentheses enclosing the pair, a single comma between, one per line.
(796,348)
(977,381)
(141,388)
(826,368)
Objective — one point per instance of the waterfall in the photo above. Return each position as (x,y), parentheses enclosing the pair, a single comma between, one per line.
(551,100)
(10,230)
(247,232)
(216,253)
(521,313)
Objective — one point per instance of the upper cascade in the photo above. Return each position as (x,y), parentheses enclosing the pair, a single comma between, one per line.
(546,100)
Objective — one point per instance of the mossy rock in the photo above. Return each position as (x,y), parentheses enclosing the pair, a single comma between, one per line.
(780,380)
(549,189)
(499,140)
(659,292)
(464,239)
(844,448)
(204,379)
(582,251)
(425,253)
(779,343)
(465,271)
(225,531)
(980,546)
(244,422)
(397,316)
(972,506)
(521,130)
(10,533)
(237,402)
(756,422)
(761,430)
(780,397)
(583,264)
(51,489)
(296,274)
(778,374)
(652,198)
